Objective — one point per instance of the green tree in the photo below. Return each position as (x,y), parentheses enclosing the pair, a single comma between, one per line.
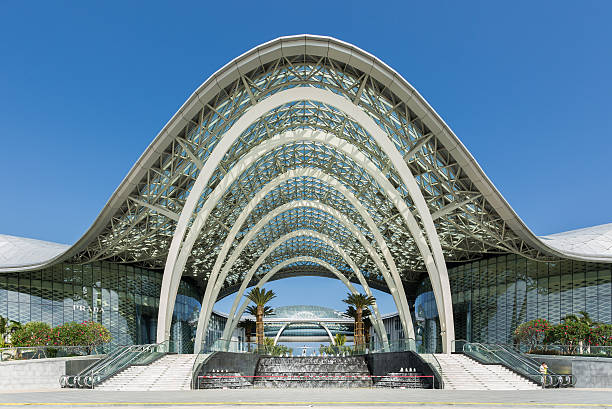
(252,310)
(339,340)
(267,347)
(576,330)
(249,326)
(7,328)
(367,319)
(32,334)
(90,334)
(260,297)
(3,330)
(532,333)
(361,302)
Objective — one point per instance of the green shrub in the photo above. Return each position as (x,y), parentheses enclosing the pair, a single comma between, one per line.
(86,333)
(532,333)
(32,334)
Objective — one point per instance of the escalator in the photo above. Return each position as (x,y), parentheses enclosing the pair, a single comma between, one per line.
(115,362)
(511,358)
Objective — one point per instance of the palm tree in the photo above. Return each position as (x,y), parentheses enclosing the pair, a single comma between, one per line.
(249,326)
(260,297)
(367,319)
(360,302)
(252,310)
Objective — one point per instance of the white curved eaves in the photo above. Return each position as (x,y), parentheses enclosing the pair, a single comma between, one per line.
(592,242)
(352,56)
(17,252)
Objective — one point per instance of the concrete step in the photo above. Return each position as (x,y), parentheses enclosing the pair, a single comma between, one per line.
(462,372)
(171,372)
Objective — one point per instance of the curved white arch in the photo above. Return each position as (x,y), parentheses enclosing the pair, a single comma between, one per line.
(232,318)
(394,282)
(205,315)
(439,279)
(361,117)
(337,143)
(212,290)
(329,334)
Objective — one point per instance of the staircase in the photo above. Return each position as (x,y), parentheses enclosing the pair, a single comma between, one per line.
(462,372)
(402,380)
(312,372)
(169,373)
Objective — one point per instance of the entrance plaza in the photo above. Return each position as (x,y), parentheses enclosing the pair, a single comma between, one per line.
(307,156)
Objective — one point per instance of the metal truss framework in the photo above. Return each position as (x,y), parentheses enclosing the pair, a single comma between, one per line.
(313,103)
(309,247)
(233,319)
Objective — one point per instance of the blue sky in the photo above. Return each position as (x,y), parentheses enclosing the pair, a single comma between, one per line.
(83,90)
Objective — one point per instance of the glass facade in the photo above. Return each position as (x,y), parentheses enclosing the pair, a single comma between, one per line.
(492,297)
(307,312)
(123,298)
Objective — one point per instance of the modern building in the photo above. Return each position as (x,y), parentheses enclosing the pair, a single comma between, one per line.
(307,156)
(307,323)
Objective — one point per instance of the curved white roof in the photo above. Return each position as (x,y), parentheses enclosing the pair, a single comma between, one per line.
(588,242)
(18,252)
(471,216)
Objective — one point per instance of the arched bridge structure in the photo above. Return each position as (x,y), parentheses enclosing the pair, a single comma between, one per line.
(306,148)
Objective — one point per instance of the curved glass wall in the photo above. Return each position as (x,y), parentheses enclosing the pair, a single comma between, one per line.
(123,298)
(492,297)
(305,329)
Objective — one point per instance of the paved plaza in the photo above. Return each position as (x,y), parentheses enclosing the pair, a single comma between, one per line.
(321,398)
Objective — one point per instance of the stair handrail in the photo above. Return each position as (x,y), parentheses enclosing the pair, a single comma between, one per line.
(139,354)
(113,364)
(561,379)
(72,381)
(200,360)
(435,366)
(491,354)
(497,354)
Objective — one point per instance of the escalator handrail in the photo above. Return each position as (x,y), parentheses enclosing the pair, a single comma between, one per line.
(495,358)
(435,366)
(122,358)
(570,379)
(140,350)
(513,359)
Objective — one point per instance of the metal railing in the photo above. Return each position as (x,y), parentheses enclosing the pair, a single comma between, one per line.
(514,360)
(42,352)
(434,364)
(568,350)
(115,362)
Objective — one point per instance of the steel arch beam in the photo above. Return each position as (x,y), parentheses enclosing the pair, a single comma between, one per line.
(355,154)
(349,150)
(203,318)
(393,280)
(233,319)
(396,288)
(329,334)
(399,297)
(440,281)
(213,290)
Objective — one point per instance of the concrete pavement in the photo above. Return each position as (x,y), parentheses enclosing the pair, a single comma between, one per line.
(321,398)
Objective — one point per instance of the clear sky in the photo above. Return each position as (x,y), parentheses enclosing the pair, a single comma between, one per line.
(526,85)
